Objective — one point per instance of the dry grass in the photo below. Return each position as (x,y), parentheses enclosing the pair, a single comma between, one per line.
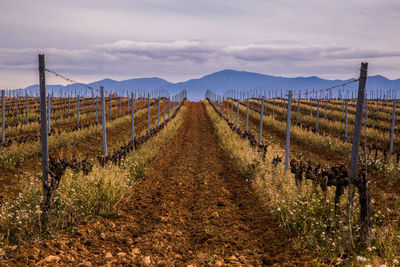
(305,212)
(80,196)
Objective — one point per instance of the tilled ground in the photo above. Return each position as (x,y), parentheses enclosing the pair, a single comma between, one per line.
(194,208)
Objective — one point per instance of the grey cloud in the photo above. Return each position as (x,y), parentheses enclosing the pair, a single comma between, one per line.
(184,59)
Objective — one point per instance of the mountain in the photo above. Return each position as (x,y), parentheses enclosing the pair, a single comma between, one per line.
(224,80)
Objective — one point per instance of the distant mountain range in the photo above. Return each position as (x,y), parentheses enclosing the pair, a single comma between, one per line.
(224,80)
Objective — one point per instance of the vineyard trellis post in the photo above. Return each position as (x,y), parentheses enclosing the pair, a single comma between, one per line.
(261,124)
(237,113)
(392,130)
(230,119)
(110,106)
(366,114)
(120,107)
(345,119)
(44,129)
(273,108)
(355,148)
(77,110)
(316,126)
(298,108)
(3,116)
(247,115)
(288,130)
(158,113)
(133,118)
(96,110)
(103,120)
(227,108)
(164,108)
(27,107)
(284,109)
(148,113)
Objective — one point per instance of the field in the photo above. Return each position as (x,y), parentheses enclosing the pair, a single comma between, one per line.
(201,187)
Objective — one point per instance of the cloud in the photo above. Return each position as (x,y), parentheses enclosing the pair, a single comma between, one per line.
(182,59)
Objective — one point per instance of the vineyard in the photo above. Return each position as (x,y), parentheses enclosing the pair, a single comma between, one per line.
(98,176)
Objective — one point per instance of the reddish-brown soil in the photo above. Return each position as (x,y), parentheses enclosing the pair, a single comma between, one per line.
(193,208)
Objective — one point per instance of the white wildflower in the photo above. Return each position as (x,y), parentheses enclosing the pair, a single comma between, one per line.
(362,259)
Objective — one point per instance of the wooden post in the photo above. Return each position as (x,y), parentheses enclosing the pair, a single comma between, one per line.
(316,126)
(120,107)
(103,121)
(356,142)
(273,108)
(288,130)
(148,114)
(261,124)
(247,116)
(3,116)
(164,108)
(77,111)
(133,117)
(345,119)
(392,130)
(237,113)
(230,120)
(43,120)
(158,113)
(97,109)
(69,105)
(110,106)
(298,110)
(27,108)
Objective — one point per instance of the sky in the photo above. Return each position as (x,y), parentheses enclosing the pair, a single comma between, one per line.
(88,40)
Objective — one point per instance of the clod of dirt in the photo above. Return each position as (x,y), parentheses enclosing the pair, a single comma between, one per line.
(218,263)
(147,260)
(49,259)
(121,254)
(108,256)
(85,264)
(215,214)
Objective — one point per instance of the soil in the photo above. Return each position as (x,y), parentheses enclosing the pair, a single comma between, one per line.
(194,208)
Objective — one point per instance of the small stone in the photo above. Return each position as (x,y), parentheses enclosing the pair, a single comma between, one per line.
(190,265)
(178,233)
(85,264)
(2,252)
(135,252)
(102,236)
(233,258)
(52,258)
(70,258)
(219,263)
(162,263)
(108,256)
(147,260)
(121,254)
(215,214)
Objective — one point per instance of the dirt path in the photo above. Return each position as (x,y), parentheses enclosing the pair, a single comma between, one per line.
(193,209)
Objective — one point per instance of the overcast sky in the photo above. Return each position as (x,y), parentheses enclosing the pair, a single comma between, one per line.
(182,39)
